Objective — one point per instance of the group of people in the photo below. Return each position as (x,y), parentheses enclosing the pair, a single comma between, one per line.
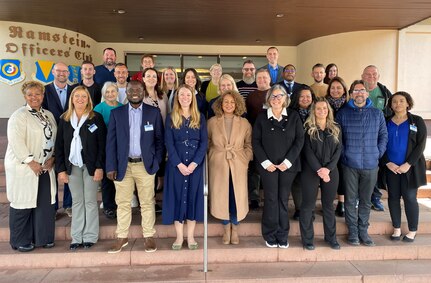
(155,130)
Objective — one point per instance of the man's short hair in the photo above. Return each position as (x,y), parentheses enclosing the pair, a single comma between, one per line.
(86,62)
(146,55)
(248,62)
(272,47)
(289,65)
(120,65)
(318,65)
(109,48)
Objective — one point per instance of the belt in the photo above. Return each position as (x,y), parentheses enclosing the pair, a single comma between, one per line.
(135,160)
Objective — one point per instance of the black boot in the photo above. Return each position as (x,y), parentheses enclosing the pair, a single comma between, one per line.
(339,211)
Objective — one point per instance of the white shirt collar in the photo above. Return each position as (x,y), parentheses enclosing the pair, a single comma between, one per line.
(271,114)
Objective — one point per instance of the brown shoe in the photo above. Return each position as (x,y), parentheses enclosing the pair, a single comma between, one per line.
(150,245)
(119,245)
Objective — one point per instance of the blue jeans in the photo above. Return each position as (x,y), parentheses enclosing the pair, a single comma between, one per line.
(359,184)
(232,205)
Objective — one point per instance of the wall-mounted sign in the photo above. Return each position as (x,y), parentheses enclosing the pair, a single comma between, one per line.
(68,45)
(11,72)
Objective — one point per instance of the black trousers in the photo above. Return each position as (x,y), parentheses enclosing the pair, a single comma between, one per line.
(34,225)
(275,218)
(310,185)
(398,187)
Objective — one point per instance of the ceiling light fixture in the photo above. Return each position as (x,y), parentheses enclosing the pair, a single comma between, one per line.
(279,15)
(119,11)
(141,38)
(258,40)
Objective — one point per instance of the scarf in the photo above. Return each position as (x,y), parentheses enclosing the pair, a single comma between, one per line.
(303,113)
(336,103)
(75,156)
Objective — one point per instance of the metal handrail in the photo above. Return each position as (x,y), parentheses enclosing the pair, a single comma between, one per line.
(205,267)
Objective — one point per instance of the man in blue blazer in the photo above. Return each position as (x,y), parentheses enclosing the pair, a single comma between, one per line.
(275,70)
(134,150)
(56,100)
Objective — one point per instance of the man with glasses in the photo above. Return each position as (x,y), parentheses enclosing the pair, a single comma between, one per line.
(364,142)
(292,88)
(379,95)
(56,100)
(248,82)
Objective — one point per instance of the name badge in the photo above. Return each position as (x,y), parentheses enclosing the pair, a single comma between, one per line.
(413,128)
(148,128)
(92,128)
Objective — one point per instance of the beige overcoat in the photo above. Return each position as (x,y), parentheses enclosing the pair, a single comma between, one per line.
(224,156)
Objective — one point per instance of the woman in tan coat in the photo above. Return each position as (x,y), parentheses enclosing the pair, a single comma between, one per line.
(229,154)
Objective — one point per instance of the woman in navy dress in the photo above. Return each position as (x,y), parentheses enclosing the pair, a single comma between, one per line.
(186,141)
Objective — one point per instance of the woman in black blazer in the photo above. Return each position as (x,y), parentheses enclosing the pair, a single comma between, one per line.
(278,137)
(322,149)
(80,158)
(405,163)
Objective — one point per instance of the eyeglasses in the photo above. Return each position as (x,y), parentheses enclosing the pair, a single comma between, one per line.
(289,71)
(248,69)
(278,97)
(361,91)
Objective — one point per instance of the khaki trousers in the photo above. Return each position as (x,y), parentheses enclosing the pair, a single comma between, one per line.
(135,174)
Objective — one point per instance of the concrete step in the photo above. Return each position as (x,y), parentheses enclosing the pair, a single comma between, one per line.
(343,272)
(380,224)
(250,250)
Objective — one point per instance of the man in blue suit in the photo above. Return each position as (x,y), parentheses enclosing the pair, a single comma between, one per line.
(134,150)
(275,70)
(56,100)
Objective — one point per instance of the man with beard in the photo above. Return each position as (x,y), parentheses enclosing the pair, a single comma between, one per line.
(56,100)
(319,87)
(255,104)
(134,150)
(105,72)
(87,74)
(121,74)
(248,83)
(364,142)
(292,88)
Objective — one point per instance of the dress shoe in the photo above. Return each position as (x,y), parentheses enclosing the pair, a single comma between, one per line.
(150,245)
(87,245)
(395,238)
(339,211)
(254,205)
(119,245)
(408,240)
(334,245)
(26,248)
(296,215)
(110,214)
(49,245)
(309,247)
(74,246)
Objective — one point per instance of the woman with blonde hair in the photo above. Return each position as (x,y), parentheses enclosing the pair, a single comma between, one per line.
(228,156)
(322,149)
(80,159)
(186,140)
(168,85)
(225,83)
(210,88)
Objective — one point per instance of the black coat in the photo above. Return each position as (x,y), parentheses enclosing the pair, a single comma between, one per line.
(52,103)
(276,141)
(416,176)
(323,152)
(93,145)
